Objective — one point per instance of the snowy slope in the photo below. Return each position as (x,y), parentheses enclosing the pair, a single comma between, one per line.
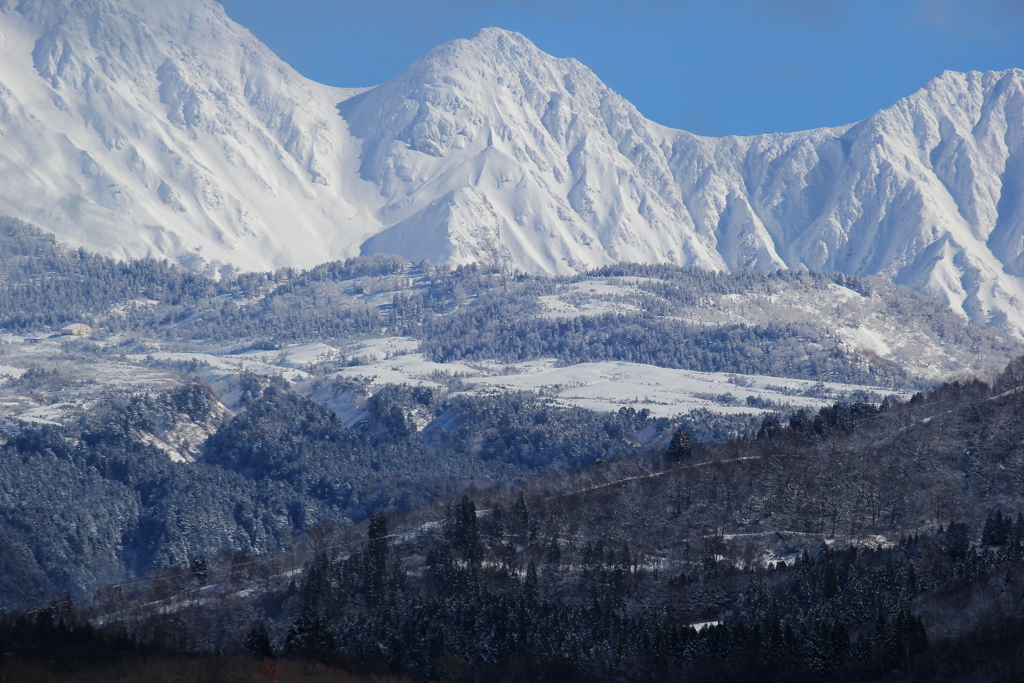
(927,193)
(566,172)
(138,127)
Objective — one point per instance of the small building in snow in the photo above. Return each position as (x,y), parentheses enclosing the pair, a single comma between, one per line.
(76,330)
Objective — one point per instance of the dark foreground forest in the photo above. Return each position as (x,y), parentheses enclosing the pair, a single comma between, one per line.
(859,543)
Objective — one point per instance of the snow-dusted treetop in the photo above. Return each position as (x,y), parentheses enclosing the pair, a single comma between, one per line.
(137,127)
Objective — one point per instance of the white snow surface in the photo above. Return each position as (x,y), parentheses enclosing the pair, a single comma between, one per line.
(226,364)
(149,128)
(46,414)
(8,371)
(665,392)
(140,127)
(859,322)
(604,387)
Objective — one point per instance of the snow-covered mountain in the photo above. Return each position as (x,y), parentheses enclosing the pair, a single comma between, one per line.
(493,134)
(928,193)
(137,127)
(141,127)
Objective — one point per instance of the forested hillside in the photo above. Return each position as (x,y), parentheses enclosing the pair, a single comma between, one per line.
(831,546)
(160,479)
(434,473)
(788,324)
(86,505)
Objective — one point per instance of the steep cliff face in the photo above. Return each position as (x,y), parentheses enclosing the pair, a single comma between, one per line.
(136,127)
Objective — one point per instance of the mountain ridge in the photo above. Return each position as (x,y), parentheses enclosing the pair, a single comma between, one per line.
(175,133)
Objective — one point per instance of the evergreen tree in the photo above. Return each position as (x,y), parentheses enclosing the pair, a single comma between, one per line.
(680,448)
(377,555)
(520,522)
(997,529)
(257,642)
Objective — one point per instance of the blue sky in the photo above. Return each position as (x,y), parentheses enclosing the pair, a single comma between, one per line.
(714,67)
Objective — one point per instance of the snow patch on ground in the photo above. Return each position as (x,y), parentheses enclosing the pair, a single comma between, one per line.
(294,356)
(49,415)
(704,624)
(412,369)
(383,348)
(592,297)
(8,371)
(604,386)
(224,364)
(865,339)
(665,392)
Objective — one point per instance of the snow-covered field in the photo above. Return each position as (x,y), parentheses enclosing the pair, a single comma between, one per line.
(595,296)
(603,386)
(224,365)
(73,383)
(8,371)
(664,392)
(63,385)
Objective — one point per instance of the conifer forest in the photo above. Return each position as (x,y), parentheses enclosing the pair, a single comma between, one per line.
(345,474)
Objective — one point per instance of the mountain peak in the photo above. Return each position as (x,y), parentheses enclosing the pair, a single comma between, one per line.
(573,172)
(496,42)
(498,36)
(499,42)
(469,90)
(951,76)
(489,52)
